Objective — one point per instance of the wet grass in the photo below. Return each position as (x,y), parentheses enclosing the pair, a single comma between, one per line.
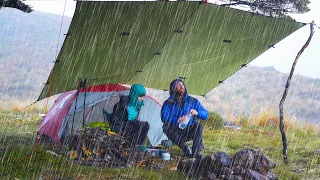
(19,159)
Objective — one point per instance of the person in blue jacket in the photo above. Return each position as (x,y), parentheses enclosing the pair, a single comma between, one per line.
(175,110)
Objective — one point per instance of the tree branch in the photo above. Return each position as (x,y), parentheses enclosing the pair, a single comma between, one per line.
(17,4)
(275,6)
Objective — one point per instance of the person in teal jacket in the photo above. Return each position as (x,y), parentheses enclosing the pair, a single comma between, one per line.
(175,110)
(124,118)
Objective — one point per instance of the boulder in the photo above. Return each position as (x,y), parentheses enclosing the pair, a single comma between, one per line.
(225,171)
(253,175)
(244,158)
(237,170)
(231,177)
(271,176)
(222,158)
(262,163)
(211,176)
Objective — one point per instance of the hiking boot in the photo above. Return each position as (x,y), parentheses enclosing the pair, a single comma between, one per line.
(188,153)
(198,156)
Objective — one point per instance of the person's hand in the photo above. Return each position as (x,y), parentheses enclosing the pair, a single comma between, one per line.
(193,112)
(181,119)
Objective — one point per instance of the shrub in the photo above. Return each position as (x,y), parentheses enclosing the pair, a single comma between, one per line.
(244,121)
(214,121)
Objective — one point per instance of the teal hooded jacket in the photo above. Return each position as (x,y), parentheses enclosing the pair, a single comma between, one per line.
(136,91)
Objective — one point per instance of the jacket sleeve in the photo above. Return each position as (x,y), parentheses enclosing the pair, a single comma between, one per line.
(202,112)
(166,114)
(119,112)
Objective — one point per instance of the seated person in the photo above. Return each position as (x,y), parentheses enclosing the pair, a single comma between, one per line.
(174,111)
(124,118)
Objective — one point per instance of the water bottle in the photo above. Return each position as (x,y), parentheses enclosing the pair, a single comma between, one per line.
(185,122)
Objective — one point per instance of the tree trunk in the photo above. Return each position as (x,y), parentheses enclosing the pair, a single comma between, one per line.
(281,126)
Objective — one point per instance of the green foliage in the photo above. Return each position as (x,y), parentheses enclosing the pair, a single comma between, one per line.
(102,125)
(214,121)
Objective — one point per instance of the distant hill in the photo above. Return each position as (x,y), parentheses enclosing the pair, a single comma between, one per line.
(28,45)
(253,89)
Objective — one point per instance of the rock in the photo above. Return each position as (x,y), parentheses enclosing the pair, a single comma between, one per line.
(271,176)
(253,175)
(262,163)
(231,177)
(222,158)
(211,176)
(195,171)
(246,164)
(244,158)
(205,166)
(237,170)
(225,171)
(186,165)
(190,167)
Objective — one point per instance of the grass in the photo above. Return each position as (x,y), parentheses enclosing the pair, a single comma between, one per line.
(19,159)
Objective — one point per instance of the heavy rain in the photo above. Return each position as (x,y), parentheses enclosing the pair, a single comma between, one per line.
(211,89)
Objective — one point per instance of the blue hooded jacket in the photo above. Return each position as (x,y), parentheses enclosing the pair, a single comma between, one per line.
(171,110)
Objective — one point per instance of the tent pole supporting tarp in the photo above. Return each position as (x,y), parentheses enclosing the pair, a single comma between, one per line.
(84,85)
(75,106)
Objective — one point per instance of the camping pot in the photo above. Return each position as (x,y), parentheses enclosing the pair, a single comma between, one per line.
(165,156)
(166,143)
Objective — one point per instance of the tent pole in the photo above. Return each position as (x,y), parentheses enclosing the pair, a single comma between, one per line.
(75,106)
(84,85)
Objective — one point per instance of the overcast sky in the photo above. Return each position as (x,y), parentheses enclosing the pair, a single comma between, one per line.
(281,57)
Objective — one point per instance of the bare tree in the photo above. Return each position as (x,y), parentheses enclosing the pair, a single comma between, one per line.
(281,126)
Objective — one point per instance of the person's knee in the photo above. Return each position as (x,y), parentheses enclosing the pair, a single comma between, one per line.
(198,130)
(145,125)
(199,127)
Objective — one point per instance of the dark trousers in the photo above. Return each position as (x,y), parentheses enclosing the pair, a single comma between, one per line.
(135,131)
(181,136)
